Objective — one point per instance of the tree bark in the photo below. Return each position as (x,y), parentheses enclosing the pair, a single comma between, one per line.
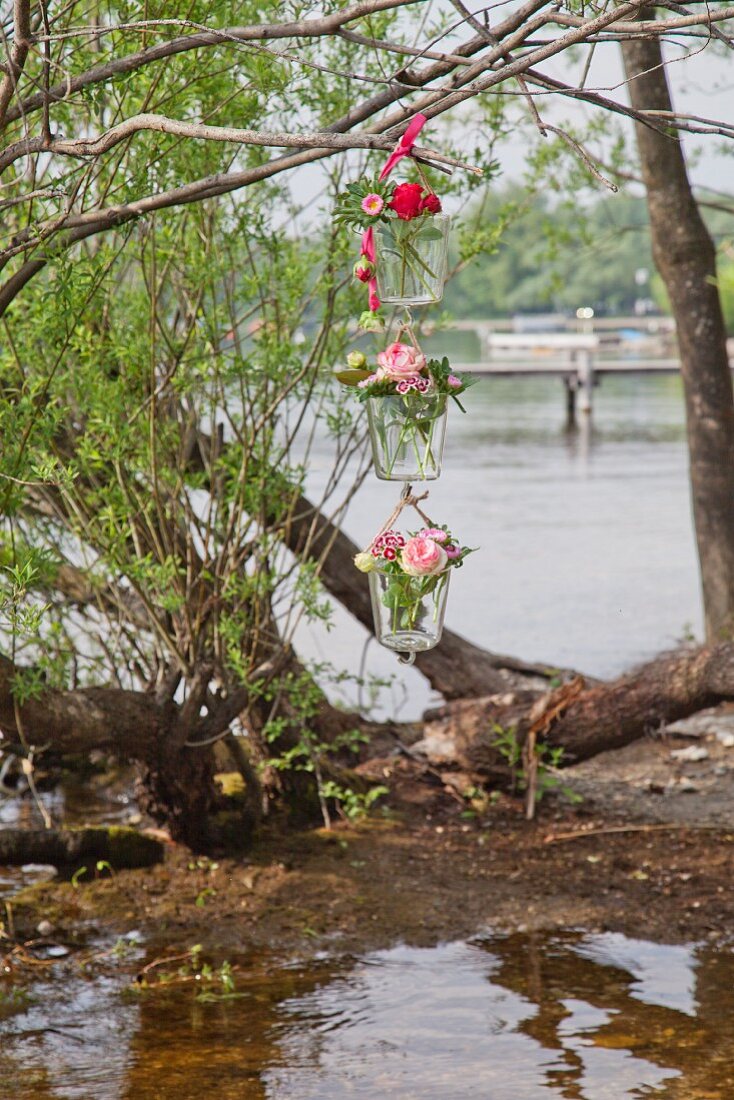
(584,721)
(129,723)
(684,255)
(134,725)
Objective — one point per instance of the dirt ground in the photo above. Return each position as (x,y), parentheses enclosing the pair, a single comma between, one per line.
(648,852)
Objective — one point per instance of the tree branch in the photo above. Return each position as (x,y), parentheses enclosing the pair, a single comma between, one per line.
(129,722)
(301,28)
(17,55)
(91,147)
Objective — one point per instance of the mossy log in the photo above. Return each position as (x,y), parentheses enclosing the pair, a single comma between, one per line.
(118,846)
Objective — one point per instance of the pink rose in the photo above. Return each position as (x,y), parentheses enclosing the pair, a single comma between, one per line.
(434,533)
(423,557)
(363,270)
(454,382)
(452,552)
(431,204)
(400,361)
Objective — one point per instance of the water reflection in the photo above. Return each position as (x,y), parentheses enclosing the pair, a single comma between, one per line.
(580,1017)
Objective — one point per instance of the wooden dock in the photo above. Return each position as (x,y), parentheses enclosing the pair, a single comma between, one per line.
(579,359)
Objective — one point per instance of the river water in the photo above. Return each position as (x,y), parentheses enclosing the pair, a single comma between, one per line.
(586,550)
(522,1017)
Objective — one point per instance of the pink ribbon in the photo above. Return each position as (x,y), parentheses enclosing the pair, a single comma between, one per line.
(405,146)
(403,149)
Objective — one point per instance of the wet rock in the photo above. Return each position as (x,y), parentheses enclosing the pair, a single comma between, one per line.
(711,722)
(690,755)
(684,785)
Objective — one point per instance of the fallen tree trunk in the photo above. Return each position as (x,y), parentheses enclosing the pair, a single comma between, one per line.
(134,725)
(120,847)
(583,720)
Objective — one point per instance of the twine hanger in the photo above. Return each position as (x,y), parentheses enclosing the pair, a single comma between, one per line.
(407,500)
(407,326)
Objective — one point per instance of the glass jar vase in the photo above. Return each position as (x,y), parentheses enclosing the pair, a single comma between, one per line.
(408,611)
(407,433)
(411,260)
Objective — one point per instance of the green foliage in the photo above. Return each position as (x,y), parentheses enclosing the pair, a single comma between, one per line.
(548,761)
(348,207)
(533,255)
(295,730)
(354,804)
(213,983)
(13,999)
(725,284)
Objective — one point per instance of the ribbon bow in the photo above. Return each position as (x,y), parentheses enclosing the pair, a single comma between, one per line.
(403,149)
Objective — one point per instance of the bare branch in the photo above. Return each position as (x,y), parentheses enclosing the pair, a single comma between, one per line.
(645,27)
(17,55)
(92,147)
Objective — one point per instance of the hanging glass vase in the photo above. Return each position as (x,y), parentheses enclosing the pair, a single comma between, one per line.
(407,434)
(411,259)
(408,611)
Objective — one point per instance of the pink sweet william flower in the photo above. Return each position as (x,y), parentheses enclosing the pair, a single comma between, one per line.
(454,382)
(423,557)
(387,545)
(400,361)
(372,204)
(434,533)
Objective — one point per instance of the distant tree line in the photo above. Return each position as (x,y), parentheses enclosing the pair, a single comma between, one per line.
(558,256)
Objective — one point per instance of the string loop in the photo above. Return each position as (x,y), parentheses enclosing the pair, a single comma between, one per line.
(407,500)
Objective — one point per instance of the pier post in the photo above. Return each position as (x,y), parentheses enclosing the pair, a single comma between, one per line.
(570,382)
(585,375)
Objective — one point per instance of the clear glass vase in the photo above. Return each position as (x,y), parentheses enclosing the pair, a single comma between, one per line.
(408,611)
(407,434)
(411,259)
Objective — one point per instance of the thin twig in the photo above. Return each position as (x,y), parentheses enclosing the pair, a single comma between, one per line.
(555,838)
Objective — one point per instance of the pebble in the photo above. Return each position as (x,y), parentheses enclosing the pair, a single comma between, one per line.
(680,786)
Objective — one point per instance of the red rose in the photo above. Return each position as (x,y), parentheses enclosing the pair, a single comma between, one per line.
(407,200)
(431,204)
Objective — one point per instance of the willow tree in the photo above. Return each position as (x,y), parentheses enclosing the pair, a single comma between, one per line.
(167,336)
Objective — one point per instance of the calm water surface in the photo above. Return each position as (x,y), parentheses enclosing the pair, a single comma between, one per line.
(587,556)
(582,1017)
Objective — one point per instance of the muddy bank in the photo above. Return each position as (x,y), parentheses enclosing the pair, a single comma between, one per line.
(649,851)
(420,882)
